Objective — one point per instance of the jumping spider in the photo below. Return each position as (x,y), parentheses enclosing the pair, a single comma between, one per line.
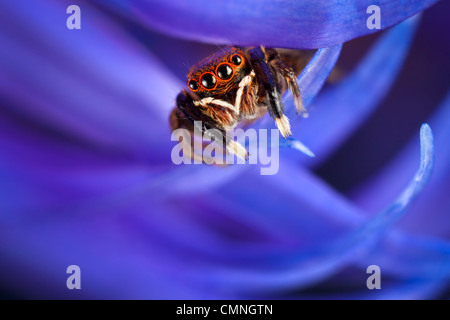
(234,84)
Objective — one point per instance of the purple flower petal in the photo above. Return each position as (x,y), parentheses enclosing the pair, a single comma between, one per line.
(78,117)
(115,260)
(309,266)
(310,81)
(384,221)
(407,257)
(86,181)
(339,111)
(295,144)
(95,83)
(433,206)
(288,24)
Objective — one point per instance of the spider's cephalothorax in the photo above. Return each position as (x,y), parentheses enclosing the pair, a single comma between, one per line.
(235,84)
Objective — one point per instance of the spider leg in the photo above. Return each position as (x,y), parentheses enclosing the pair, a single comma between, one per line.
(266,80)
(289,75)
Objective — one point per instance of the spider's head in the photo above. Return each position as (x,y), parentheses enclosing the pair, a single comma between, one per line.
(218,74)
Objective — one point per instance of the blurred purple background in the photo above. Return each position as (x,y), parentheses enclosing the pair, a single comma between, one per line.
(422,84)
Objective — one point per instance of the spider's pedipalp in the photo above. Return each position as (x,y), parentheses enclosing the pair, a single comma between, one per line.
(245,82)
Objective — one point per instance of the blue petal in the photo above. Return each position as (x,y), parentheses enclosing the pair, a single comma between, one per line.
(339,111)
(385,220)
(421,265)
(427,214)
(290,142)
(289,24)
(313,77)
(110,246)
(309,266)
(79,240)
(96,83)
(310,81)
(79,118)
(137,222)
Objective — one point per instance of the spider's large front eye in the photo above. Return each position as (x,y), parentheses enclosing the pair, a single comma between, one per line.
(193,85)
(224,72)
(236,59)
(208,80)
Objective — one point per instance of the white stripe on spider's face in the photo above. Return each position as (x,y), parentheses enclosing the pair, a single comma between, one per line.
(246,81)
(205,101)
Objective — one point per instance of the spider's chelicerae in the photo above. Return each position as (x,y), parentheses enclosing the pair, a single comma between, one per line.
(234,84)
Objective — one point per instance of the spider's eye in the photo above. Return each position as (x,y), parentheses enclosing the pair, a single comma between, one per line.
(224,71)
(236,59)
(193,85)
(208,80)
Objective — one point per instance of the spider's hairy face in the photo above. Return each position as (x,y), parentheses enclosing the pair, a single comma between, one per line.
(231,85)
(219,75)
